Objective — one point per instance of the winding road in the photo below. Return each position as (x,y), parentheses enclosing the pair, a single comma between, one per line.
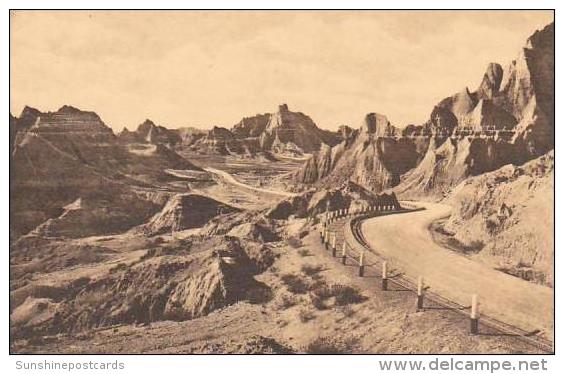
(231,180)
(406,241)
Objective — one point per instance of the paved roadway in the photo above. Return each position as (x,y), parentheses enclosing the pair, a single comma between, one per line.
(406,241)
(230,179)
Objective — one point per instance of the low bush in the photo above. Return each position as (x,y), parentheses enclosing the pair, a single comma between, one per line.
(343,295)
(347,311)
(304,252)
(311,270)
(306,315)
(284,302)
(294,242)
(329,345)
(295,283)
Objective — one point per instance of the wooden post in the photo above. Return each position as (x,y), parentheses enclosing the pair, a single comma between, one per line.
(384,276)
(474,315)
(361,265)
(419,293)
(334,244)
(344,253)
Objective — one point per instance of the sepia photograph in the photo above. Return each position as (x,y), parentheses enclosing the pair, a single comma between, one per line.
(281,182)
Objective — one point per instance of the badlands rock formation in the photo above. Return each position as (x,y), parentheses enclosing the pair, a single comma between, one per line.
(185,211)
(283,132)
(148,132)
(345,196)
(70,154)
(190,279)
(510,211)
(508,119)
(371,157)
(512,108)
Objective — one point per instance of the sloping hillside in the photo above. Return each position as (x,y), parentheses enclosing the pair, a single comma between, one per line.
(509,211)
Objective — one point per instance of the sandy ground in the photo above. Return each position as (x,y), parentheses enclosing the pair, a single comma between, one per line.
(407,241)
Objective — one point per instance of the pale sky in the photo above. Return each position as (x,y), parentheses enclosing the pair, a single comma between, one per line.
(188,68)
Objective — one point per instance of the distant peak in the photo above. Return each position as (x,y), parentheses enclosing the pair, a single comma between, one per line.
(374,122)
(29,111)
(283,108)
(68,109)
(147,123)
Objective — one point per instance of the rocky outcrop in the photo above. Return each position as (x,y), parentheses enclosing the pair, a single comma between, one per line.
(312,203)
(71,154)
(148,132)
(251,127)
(373,157)
(527,91)
(283,132)
(511,212)
(185,211)
(508,119)
(491,82)
(199,276)
(19,125)
(190,135)
(512,108)
(453,160)
(295,128)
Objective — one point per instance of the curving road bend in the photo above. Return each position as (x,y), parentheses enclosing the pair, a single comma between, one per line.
(230,179)
(406,241)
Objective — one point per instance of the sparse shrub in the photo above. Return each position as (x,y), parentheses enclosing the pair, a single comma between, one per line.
(473,247)
(311,270)
(322,290)
(294,242)
(295,283)
(284,302)
(118,267)
(317,302)
(150,253)
(304,252)
(329,345)
(491,225)
(345,295)
(347,311)
(306,315)
(320,293)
